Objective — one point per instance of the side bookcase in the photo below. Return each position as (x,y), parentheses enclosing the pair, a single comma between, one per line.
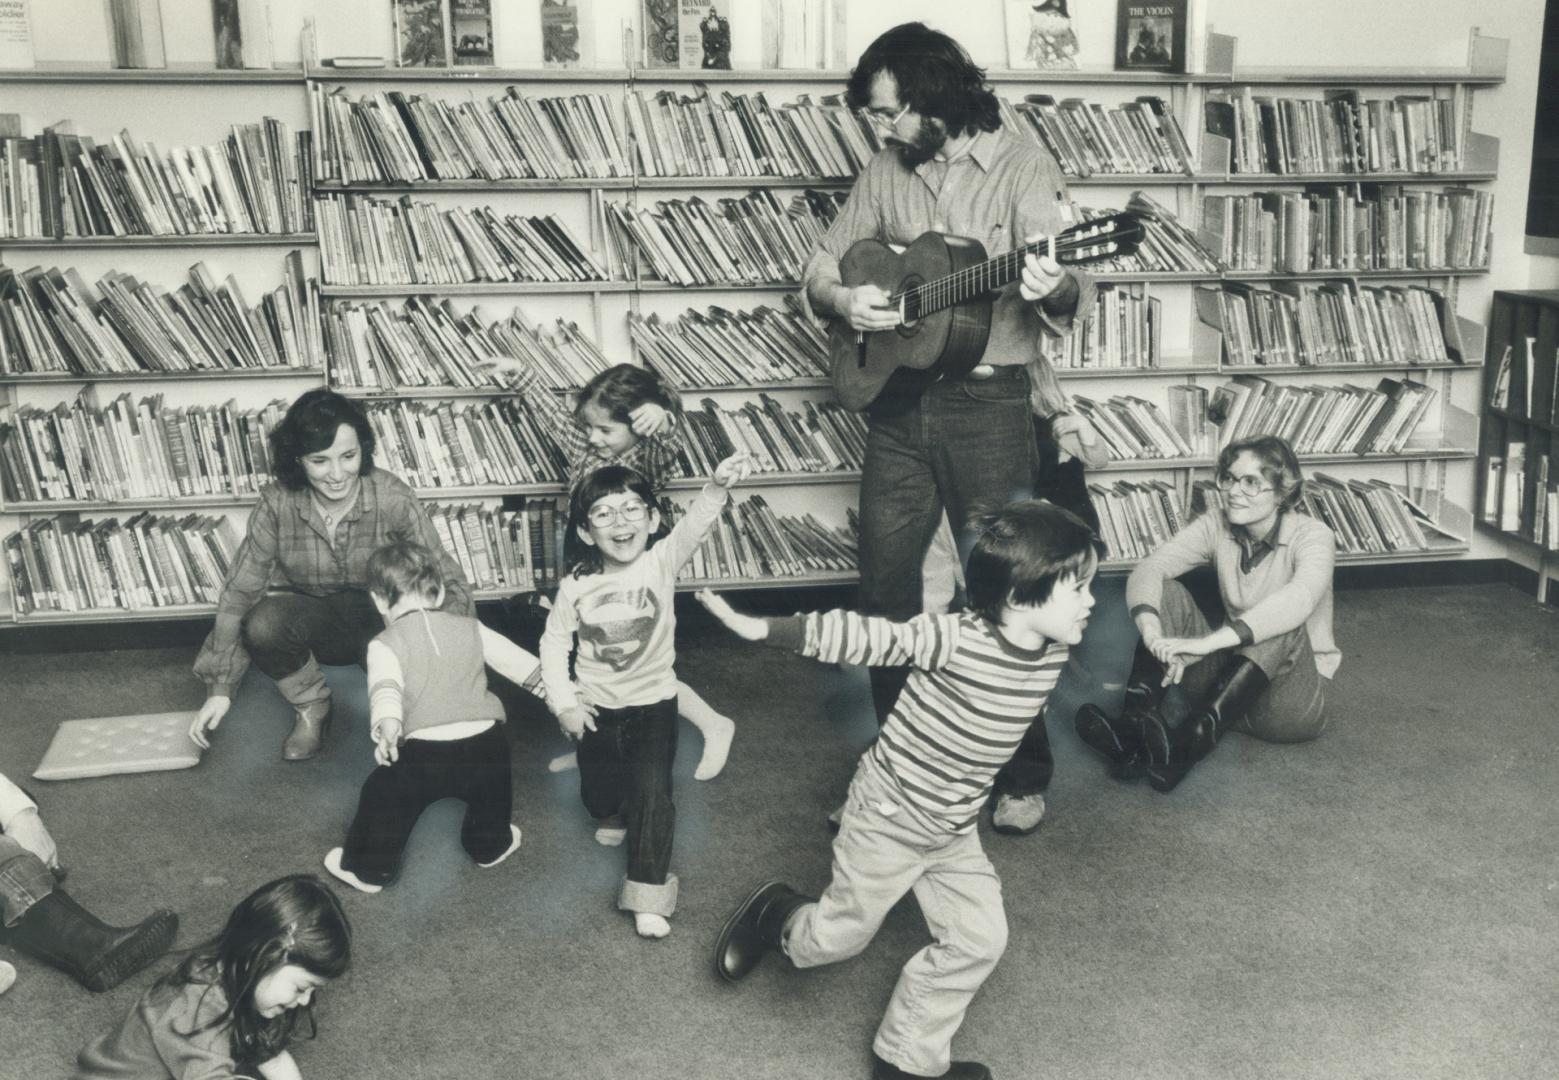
(1518,489)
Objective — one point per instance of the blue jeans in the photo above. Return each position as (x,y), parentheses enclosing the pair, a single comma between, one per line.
(885,848)
(964,446)
(625,768)
(24,880)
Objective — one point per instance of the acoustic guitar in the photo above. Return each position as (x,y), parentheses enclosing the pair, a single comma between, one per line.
(943,288)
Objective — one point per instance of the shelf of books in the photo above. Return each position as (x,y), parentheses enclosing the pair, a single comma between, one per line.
(1307,232)
(1518,491)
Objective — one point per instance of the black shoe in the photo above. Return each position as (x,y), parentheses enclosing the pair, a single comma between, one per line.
(62,933)
(958,1070)
(755,928)
(1116,741)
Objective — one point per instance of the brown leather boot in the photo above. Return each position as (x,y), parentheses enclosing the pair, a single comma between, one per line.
(308,732)
(63,934)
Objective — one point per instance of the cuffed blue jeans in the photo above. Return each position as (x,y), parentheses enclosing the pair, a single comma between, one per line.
(885,848)
(964,446)
(24,880)
(625,768)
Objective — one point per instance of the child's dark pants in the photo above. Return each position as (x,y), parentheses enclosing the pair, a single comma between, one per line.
(625,768)
(475,770)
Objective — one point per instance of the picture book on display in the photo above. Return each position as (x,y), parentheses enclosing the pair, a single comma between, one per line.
(1040,34)
(135,33)
(561,43)
(660,29)
(704,34)
(15,35)
(471,32)
(421,33)
(1150,35)
(242,29)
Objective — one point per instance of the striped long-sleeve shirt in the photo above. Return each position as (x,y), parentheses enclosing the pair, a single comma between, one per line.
(964,710)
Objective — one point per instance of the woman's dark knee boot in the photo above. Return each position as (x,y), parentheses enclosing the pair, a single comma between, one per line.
(63,934)
(1122,741)
(1239,683)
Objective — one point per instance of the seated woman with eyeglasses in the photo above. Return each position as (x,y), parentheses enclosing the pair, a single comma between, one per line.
(1265,670)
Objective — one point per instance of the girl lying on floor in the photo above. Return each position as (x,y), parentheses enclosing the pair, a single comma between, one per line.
(232,1007)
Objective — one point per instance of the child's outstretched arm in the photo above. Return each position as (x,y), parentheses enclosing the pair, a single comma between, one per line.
(548,406)
(926,641)
(701,516)
(512,662)
(385,684)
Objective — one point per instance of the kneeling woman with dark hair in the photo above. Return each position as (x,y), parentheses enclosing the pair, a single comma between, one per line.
(1266,669)
(296,595)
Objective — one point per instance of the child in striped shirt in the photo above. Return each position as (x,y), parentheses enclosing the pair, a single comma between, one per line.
(979,680)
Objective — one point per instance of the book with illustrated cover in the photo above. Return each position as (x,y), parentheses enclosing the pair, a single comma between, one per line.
(1040,35)
(1150,35)
(421,33)
(704,34)
(562,45)
(471,32)
(660,27)
(135,33)
(16,49)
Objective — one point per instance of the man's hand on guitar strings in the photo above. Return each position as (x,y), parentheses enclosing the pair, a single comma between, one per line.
(1042,275)
(867,307)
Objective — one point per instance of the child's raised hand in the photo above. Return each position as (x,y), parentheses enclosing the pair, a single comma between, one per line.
(503,368)
(748,626)
(576,721)
(733,470)
(649,419)
(387,740)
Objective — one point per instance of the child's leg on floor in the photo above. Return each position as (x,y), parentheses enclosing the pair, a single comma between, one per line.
(392,799)
(960,897)
(604,773)
(877,858)
(649,888)
(485,778)
(714,727)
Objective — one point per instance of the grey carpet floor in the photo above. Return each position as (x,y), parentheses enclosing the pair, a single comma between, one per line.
(1380,903)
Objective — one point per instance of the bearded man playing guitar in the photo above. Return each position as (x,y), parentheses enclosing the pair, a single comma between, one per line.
(956,443)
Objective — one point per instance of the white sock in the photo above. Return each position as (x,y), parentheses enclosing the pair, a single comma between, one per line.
(333,864)
(650,925)
(717,745)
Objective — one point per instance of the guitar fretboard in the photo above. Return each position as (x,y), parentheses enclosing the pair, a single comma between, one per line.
(999,272)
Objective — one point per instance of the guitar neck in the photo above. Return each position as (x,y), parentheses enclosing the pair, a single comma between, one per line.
(972,281)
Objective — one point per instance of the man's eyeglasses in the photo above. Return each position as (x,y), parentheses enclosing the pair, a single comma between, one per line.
(885,123)
(1249,485)
(631,513)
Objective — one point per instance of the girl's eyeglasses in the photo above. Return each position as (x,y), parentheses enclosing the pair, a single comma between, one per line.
(884,123)
(1249,485)
(631,513)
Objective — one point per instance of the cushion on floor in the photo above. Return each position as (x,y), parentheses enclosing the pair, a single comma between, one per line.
(110,745)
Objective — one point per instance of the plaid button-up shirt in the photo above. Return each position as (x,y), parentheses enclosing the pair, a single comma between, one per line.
(288,548)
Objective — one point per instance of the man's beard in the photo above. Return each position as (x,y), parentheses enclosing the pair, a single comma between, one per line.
(927,143)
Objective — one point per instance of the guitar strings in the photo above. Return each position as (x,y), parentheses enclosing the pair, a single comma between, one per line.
(945,288)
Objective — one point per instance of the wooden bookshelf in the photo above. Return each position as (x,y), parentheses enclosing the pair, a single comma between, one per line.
(1518,450)
(1449,444)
